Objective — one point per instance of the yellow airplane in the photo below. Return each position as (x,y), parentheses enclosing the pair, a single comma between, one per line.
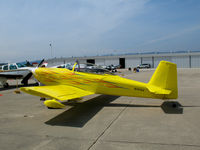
(63,84)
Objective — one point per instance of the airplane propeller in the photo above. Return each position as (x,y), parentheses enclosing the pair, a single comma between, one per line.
(41,63)
(29,75)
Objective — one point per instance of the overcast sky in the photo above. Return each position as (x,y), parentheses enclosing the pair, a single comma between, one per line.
(96,27)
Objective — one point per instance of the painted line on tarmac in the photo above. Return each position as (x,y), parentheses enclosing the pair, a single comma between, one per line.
(42,144)
(114,120)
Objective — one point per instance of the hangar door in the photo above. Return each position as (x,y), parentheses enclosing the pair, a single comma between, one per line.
(181,61)
(132,62)
(111,61)
(195,61)
(147,60)
(158,59)
(122,62)
(91,61)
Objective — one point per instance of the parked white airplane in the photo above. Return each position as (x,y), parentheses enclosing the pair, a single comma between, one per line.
(15,71)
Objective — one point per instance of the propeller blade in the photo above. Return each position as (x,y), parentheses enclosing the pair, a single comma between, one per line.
(41,63)
(26,78)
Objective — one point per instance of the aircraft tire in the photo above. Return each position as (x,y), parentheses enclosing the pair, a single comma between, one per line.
(6,85)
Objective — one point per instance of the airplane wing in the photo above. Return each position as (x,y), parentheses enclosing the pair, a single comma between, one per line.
(14,74)
(11,76)
(59,92)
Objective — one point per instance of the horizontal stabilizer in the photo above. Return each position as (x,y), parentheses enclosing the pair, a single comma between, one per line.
(59,92)
(158,90)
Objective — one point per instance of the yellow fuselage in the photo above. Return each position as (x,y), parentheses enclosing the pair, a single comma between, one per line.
(96,83)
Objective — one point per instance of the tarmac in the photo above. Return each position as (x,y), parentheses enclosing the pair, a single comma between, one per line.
(104,122)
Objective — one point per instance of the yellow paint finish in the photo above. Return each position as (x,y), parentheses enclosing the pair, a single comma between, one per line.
(63,84)
(60,92)
(53,104)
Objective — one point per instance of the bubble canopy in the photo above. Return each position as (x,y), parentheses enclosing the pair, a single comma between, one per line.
(86,67)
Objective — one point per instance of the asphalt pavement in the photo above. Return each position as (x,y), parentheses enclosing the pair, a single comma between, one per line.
(104,122)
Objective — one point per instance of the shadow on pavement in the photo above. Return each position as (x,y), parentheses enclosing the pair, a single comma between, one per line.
(169,107)
(81,113)
(172,107)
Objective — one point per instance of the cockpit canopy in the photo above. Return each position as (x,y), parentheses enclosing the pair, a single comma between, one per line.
(86,67)
(19,65)
(12,66)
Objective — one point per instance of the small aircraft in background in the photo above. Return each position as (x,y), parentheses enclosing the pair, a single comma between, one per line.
(16,71)
(62,84)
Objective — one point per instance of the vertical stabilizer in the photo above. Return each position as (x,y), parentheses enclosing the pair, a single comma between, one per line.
(165,77)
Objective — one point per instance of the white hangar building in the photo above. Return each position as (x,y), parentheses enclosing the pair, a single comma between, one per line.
(183,60)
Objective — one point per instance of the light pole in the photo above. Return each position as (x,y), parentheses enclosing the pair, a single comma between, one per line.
(51,50)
